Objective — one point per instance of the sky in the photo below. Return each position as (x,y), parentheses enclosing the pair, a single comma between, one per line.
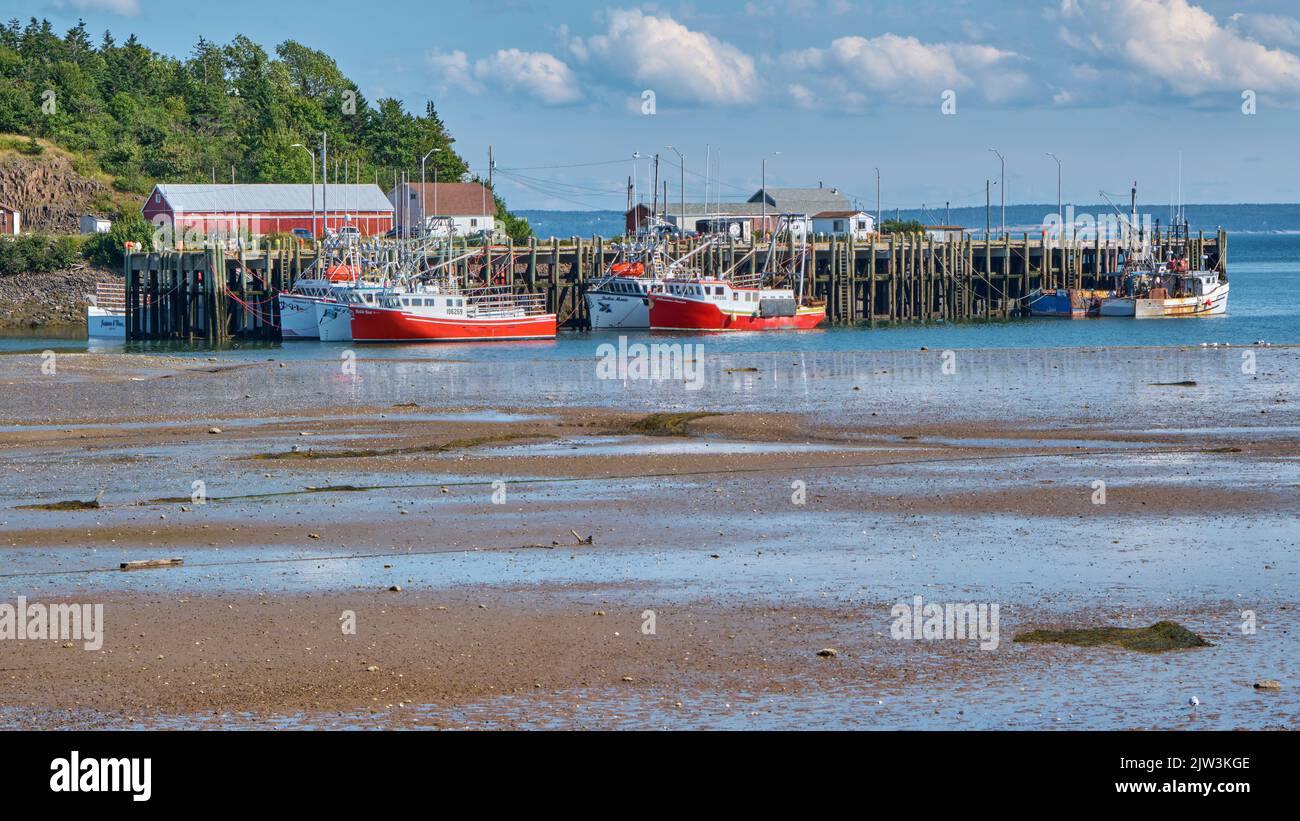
(828,91)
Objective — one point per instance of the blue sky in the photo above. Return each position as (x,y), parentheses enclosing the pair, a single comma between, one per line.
(1115,88)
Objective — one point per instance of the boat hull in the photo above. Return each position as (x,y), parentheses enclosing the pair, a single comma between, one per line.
(393,325)
(618,311)
(1064,303)
(1214,303)
(1119,306)
(298,317)
(101,324)
(333,322)
(671,313)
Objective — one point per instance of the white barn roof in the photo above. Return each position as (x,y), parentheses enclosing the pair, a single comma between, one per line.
(264,198)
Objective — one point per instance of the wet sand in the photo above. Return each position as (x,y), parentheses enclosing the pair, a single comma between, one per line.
(758,534)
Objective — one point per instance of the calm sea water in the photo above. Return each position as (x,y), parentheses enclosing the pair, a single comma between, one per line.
(1264,306)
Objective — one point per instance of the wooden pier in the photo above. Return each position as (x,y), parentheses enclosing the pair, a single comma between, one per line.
(214,295)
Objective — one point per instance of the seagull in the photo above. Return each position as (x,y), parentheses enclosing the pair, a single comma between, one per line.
(1193,701)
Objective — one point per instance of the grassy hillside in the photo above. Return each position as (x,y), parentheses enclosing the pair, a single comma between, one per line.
(126,116)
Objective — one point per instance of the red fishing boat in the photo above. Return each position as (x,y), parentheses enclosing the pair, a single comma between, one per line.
(439,314)
(743,302)
(718,305)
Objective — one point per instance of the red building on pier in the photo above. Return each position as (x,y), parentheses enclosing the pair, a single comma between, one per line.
(268,208)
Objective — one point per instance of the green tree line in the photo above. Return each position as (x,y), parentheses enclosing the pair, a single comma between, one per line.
(147,117)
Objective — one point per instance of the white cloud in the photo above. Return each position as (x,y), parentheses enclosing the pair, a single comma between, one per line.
(128,8)
(893,68)
(537,73)
(1182,46)
(533,73)
(677,63)
(453,69)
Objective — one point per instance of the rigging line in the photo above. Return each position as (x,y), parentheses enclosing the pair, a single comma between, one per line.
(570,165)
(540,190)
(619,191)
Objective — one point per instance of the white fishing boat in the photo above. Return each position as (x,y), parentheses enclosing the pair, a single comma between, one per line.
(298,307)
(1169,288)
(334,318)
(622,298)
(106,313)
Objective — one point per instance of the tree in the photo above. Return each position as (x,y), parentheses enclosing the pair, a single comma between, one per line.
(895,226)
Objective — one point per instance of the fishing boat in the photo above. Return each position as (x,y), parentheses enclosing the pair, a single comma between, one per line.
(1176,293)
(434,305)
(1153,290)
(298,307)
(1067,303)
(621,299)
(769,301)
(334,317)
(439,313)
(106,312)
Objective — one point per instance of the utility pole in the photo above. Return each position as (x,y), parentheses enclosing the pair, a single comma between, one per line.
(654,192)
(1003,192)
(1060,213)
(987,200)
(764,188)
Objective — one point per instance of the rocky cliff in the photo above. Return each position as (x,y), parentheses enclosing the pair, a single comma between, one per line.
(48,189)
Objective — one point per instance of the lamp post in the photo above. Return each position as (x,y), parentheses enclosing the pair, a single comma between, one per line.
(681,159)
(424,215)
(313,184)
(1003,192)
(877,199)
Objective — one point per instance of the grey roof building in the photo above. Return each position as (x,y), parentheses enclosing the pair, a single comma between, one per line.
(802,200)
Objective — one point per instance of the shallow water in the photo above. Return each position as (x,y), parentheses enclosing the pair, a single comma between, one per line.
(1264,305)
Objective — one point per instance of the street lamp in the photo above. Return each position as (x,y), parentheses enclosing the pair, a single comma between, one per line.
(877,199)
(312,155)
(424,215)
(1003,192)
(681,158)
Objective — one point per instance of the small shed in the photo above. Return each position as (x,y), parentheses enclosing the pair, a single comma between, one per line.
(11,221)
(91,224)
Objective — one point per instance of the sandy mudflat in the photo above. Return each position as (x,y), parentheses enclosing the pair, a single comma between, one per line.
(759,528)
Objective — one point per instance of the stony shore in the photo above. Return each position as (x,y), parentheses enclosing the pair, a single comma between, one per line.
(431,565)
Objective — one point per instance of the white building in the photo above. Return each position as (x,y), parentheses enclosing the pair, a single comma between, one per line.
(91,224)
(945,233)
(467,208)
(858,224)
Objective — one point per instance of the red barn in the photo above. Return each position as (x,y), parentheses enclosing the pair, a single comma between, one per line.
(268,208)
